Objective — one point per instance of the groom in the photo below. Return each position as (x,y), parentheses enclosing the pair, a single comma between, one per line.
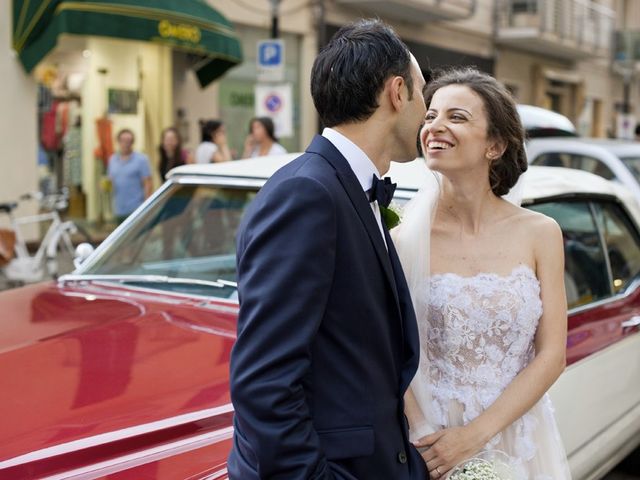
(327,337)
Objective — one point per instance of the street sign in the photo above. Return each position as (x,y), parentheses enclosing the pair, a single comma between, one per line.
(625,126)
(276,102)
(270,60)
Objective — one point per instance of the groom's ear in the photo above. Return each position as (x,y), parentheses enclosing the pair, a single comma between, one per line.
(396,90)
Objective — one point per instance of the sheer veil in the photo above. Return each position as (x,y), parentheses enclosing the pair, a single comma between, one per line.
(412,241)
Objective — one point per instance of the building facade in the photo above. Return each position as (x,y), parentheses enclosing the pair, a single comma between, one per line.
(558,54)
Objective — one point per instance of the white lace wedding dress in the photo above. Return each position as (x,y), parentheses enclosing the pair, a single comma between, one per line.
(479,334)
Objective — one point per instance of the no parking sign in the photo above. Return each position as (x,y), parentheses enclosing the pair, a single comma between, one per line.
(275,101)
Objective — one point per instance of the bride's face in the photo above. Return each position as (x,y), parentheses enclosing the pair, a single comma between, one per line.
(454,136)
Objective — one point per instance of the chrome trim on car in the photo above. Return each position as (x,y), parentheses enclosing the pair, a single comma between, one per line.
(133,460)
(603,244)
(160,295)
(630,290)
(219,474)
(222,181)
(632,322)
(115,435)
(139,279)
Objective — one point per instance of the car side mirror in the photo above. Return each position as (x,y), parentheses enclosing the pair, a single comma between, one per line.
(82,253)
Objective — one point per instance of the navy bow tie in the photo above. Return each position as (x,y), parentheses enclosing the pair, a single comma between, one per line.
(382,191)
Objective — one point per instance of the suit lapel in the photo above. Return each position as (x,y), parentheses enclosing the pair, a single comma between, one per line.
(388,259)
(410,336)
(349,181)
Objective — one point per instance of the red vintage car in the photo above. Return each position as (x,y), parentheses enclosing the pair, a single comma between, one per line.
(120,370)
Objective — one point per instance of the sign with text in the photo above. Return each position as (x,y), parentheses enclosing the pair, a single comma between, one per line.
(270,60)
(276,102)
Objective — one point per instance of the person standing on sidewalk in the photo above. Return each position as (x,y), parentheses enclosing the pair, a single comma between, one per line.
(130,176)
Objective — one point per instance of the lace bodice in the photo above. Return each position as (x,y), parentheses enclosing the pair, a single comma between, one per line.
(479,333)
(477,336)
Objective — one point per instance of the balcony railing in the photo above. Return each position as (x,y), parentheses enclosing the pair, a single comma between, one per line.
(571,29)
(416,11)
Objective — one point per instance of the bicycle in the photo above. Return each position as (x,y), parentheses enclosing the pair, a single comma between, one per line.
(43,264)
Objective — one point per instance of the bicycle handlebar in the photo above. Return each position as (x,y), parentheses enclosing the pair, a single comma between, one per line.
(52,201)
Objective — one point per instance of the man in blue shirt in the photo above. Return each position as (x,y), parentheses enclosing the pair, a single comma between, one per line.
(130,176)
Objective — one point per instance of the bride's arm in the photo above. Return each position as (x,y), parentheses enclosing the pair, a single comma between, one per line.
(453,445)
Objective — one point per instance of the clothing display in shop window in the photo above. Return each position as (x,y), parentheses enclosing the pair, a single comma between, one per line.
(72,157)
(104,150)
(62,119)
(56,121)
(48,136)
(45,98)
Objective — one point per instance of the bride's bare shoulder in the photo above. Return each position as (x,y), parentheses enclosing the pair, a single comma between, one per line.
(533,224)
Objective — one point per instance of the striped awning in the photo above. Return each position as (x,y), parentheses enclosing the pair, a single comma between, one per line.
(188,25)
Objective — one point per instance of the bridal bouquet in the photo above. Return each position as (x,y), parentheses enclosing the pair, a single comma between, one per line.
(487,465)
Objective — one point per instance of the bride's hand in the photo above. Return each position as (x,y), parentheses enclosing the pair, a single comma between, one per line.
(448,447)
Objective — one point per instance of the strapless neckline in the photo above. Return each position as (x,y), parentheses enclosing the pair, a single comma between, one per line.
(521,269)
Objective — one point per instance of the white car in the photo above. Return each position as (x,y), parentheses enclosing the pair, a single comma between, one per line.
(616,160)
(540,122)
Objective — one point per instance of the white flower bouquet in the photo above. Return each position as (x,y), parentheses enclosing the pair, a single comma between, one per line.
(487,465)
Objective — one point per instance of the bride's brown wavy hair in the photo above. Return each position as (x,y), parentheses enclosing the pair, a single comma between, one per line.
(503,121)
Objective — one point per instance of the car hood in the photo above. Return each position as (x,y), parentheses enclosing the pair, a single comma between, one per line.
(79,362)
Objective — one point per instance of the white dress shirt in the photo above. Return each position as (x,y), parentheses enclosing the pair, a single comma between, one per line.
(361,165)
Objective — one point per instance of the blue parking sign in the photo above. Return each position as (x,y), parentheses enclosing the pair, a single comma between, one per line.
(270,60)
(270,53)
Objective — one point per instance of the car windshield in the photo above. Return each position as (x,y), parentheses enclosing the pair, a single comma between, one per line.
(633,165)
(187,234)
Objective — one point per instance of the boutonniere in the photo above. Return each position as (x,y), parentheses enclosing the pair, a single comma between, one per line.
(391,216)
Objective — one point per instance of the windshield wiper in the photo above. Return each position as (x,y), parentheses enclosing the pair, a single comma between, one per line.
(144,279)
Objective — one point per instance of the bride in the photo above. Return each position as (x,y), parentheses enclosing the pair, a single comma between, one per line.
(486,277)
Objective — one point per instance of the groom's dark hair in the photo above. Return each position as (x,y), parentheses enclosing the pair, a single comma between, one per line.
(350,71)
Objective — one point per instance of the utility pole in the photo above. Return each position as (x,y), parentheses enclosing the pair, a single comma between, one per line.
(275,4)
(321,25)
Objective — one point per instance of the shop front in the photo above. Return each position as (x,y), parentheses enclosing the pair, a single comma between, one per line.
(104,66)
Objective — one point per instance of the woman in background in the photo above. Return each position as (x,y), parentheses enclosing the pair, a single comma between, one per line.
(171,152)
(214,147)
(262,139)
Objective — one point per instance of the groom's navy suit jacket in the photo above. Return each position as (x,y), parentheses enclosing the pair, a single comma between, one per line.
(327,337)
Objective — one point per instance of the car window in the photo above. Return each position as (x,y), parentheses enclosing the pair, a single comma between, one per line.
(553,159)
(593,165)
(188,233)
(575,161)
(623,245)
(586,275)
(633,165)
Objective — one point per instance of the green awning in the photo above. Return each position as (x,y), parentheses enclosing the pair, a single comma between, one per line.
(188,25)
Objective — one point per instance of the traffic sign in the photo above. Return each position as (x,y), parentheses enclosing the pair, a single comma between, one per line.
(270,60)
(273,102)
(276,101)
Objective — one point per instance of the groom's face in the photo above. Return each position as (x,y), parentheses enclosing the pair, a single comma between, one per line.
(412,116)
